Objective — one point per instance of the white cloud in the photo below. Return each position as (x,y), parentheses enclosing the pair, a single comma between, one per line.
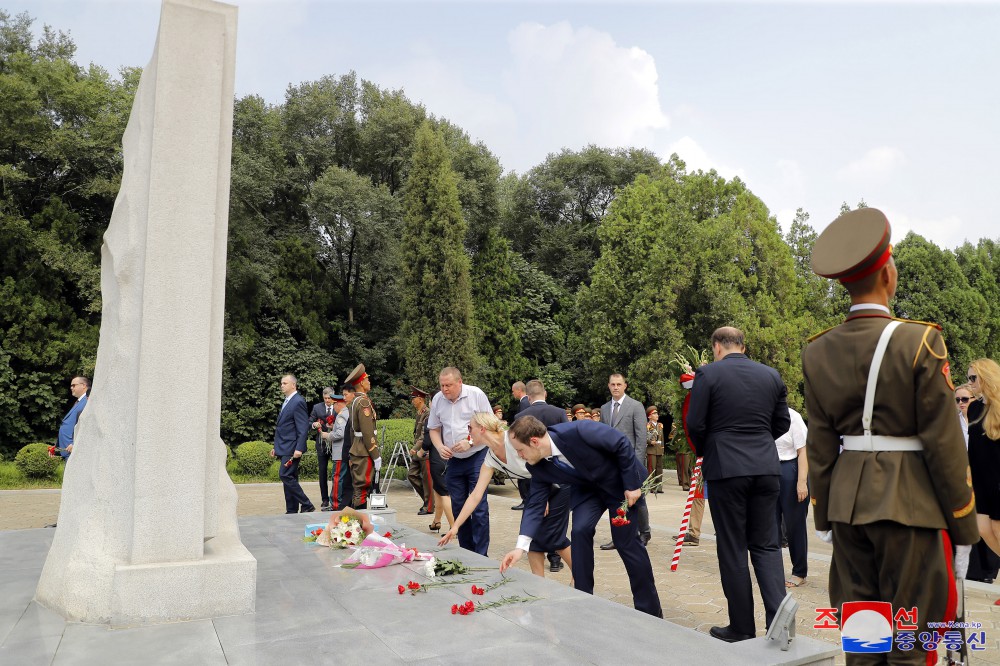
(696,158)
(946,232)
(576,86)
(877,164)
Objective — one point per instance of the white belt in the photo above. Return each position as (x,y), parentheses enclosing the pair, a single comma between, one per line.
(881,443)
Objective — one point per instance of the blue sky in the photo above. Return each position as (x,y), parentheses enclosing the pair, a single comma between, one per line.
(810,104)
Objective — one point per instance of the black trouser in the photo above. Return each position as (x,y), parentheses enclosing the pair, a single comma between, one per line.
(323,456)
(794,513)
(743,509)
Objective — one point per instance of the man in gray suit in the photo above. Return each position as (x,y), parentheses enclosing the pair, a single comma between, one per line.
(628,416)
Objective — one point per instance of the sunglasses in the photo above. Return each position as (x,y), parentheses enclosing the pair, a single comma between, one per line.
(962,400)
(972,378)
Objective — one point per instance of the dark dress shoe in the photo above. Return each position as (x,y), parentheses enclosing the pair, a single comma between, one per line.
(555,564)
(608,546)
(307,509)
(518,507)
(728,635)
(325,506)
(423,512)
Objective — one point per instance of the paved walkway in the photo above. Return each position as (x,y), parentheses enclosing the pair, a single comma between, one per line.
(692,596)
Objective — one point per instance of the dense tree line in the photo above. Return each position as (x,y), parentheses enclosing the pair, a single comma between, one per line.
(363,228)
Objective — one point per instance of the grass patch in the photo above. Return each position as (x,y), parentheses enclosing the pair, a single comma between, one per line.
(12,478)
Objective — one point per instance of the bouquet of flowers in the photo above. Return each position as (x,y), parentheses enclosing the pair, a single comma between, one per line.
(345,532)
(622,518)
(377,551)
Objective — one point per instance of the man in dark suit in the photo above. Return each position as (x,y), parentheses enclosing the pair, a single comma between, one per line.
(549,415)
(737,410)
(628,416)
(290,435)
(78,386)
(322,419)
(519,391)
(599,465)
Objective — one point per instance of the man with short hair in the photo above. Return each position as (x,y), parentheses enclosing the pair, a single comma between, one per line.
(335,440)
(290,435)
(322,418)
(549,415)
(600,466)
(78,387)
(517,389)
(736,412)
(452,409)
(627,416)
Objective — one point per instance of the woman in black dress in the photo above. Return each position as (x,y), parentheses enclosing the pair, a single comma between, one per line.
(984,448)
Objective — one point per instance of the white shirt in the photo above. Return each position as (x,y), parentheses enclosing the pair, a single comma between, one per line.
(869,306)
(793,440)
(515,465)
(454,417)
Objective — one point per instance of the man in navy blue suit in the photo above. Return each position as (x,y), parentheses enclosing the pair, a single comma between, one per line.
(290,436)
(78,386)
(737,410)
(600,466)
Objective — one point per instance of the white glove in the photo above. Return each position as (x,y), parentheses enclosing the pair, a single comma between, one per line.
(826,536)
(378,464)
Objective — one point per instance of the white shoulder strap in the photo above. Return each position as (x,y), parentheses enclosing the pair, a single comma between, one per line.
(883,342)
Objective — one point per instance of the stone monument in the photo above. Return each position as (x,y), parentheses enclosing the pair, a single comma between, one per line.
(147,527)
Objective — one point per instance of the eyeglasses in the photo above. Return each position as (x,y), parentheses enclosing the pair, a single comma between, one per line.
(972,378)
(962,400)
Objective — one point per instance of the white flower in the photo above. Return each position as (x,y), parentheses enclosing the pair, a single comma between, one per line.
(429,568)
(368,556)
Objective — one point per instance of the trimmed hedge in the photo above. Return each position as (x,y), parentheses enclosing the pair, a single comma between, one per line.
(34,461)
(396,430)
(254,458)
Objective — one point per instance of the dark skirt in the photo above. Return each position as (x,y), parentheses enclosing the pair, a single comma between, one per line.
(984,462)
(551,535)
(438,468)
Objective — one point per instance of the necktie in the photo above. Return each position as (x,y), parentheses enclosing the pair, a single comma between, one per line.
(283,405)
(329,411)
(614,412)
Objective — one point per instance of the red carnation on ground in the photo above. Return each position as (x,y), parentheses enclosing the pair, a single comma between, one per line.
(401,589)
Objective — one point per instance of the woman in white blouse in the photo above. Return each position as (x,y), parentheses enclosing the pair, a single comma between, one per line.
(489,430)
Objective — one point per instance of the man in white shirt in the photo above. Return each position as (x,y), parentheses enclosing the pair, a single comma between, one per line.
(452,409)
(793,496)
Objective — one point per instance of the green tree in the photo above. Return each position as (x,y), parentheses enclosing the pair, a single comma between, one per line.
(436,304)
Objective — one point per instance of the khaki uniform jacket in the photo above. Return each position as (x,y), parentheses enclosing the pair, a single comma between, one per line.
(654,439)
(931,488)
(364,442)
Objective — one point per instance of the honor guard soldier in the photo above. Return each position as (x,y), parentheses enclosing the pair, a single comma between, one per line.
(654,447)
(366,459)
(900,493)
(419,472)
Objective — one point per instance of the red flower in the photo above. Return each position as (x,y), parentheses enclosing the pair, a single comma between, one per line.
(329,420)
(621,511)
(347,534)
(317,532)
(454,607)
(413,585)
(401,589)
(387,535)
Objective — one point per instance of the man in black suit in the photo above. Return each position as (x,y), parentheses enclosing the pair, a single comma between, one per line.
(737,410)
(518,390)
(549,415)
(599,465)
(290,435)
(322,418)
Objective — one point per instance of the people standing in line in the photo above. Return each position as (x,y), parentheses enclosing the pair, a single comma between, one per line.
(452,409)
(290,435)
(322,418)
(580,413)
(549,415)
(595,414)
(654,447)
(79,386)
(896,496)
(419,472)
(793,496)
(551,537)
(341,465)
(737,411)
(600,466)
(627,416)
(365,455)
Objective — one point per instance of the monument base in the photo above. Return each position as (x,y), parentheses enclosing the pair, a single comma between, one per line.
(222,583)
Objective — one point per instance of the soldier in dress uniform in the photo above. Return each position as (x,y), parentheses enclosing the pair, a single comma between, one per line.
(900,493)
(366,459)
(654,447)
(419,472)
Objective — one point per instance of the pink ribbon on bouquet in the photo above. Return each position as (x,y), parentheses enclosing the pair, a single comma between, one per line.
(687,516)
(377,551)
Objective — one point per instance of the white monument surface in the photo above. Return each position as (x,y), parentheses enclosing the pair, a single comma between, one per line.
(147,527)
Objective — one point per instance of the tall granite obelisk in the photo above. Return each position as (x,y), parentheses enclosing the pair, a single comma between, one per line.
(147,526)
